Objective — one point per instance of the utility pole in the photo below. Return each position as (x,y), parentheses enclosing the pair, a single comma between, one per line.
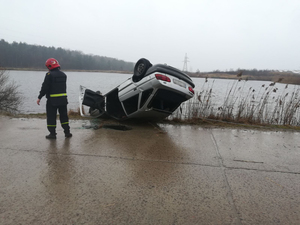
(185,63)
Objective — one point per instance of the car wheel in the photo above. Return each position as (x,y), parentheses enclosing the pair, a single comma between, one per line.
(140,69)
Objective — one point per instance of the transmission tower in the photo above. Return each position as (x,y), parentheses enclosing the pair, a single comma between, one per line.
(185,63)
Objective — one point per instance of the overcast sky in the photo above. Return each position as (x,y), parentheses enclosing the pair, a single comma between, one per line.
(215,34)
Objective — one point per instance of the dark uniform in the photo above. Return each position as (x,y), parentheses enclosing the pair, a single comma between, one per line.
(55,89)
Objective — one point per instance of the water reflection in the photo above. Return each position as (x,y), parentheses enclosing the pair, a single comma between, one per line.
(58,175)
(152,151)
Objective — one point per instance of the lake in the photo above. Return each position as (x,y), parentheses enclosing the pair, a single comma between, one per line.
(30,83)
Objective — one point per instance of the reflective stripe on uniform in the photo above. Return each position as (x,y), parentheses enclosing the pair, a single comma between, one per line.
(58,95)
(51,125)
(65,123)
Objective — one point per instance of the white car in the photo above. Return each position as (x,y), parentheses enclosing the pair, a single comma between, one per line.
(152,93)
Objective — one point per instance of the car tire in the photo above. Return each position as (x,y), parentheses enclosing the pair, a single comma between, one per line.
(140,69)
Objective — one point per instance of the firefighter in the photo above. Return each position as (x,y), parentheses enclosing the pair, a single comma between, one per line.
(55,89)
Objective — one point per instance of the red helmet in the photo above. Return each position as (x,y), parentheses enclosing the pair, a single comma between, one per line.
(52,63)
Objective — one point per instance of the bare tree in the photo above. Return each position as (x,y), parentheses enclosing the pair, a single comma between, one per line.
(10,97)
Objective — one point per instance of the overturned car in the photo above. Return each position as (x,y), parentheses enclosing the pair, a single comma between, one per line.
(152,93)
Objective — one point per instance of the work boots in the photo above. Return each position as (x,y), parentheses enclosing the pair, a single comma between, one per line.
(51,136)
(68,135)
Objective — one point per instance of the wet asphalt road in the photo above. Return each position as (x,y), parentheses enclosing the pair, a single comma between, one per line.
(151,174)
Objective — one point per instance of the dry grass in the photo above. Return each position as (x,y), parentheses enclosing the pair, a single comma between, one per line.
(75,114)
(254,107)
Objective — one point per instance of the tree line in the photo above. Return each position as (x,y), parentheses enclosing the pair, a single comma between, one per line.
(22,55)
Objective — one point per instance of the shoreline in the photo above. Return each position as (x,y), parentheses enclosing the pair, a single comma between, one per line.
(205,123)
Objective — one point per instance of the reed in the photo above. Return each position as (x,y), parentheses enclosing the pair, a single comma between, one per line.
(243,106)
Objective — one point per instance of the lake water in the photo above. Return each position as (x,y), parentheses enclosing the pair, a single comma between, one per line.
(30,83)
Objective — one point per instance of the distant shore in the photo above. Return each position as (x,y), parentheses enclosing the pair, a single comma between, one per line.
(99,71)
(277,77)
